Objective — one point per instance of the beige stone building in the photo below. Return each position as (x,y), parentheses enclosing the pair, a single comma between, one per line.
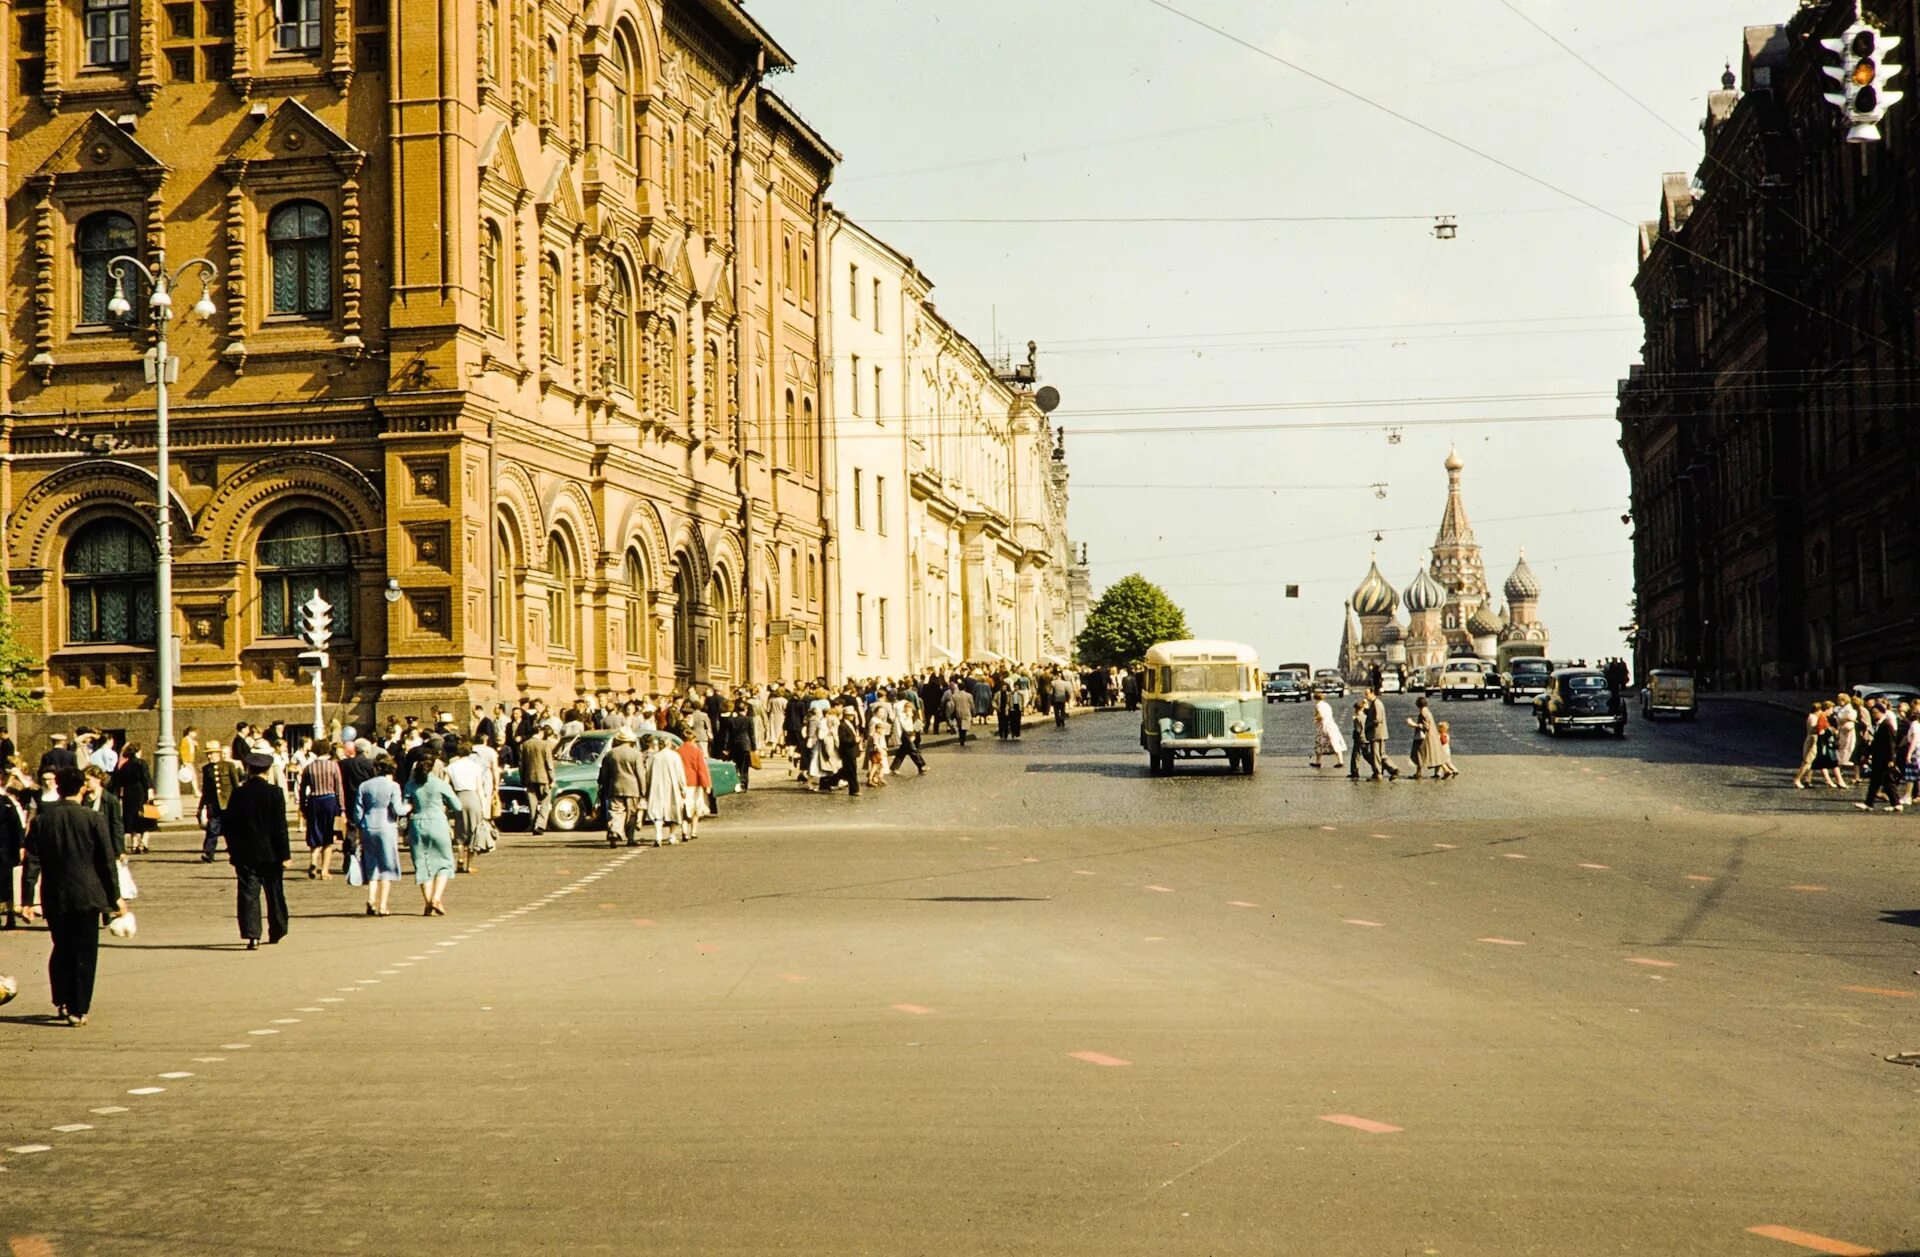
(519,311)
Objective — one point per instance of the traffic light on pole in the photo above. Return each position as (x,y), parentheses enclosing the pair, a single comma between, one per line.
(1863,97)
(316,630)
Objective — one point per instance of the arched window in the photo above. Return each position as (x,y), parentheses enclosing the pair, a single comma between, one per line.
(490,285)
(683,630)
(793,432)
(300,553)
(100,238)
(716,413)
(620,98)
(806,275)
(560,600)
(669,166)
(721,601)
(109,580)
(506,606)
(813,581)
(620,330)
(550,343)
(807,435)
(634,574)
(300,246)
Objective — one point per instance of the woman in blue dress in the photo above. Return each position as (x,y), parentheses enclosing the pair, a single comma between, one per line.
(432,801)
(377,809)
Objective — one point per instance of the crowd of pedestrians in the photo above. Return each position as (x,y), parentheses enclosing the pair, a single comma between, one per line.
(1430,751)
(1850,741)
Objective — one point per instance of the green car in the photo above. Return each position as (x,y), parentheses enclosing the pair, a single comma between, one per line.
(576,783)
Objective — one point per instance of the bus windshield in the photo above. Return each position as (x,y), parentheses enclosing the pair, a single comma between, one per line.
(1215,678)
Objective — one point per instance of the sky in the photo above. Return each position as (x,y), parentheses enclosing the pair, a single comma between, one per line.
(1237,395)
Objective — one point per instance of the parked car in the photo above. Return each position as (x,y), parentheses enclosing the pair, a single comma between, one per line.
(1668,692)
(1330,683)
(1578,698)
(1288,685)
(1525,675)
(1892,692)
(1466,678)
(576,783)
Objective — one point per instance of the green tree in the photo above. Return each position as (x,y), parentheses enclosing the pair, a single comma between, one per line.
(19,670)
(1131,615)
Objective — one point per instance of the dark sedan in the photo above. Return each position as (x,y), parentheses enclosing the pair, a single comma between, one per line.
(1580,698)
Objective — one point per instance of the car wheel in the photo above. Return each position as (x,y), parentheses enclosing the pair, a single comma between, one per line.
(1620,730)
(1246,762)
(568,811)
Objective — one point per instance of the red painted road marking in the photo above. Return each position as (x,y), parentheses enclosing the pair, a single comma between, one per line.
(705,949)
(1329,828)
(1698,877)
(1379,835)
(918,1010)
(1029,859)
(791,977)
(1378,925)
(30,1246)
(1098,1058)
(1593,866)
(1808,889)
(1650,961)
(563,872)
(1892,992)
(1360,1123)
(1808,1240)
(643,920)
(1085,873)
(1502,942)
(1165,890)
(605,906)
(1241,903)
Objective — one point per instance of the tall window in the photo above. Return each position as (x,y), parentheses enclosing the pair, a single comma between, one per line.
(301,553)
(669,166)
(490,284)
(807,435)
(100,239)
(793,433)
(786,263)
(876,305)
(882,608)
(860,622)
(676,366)
(635,575)
(108,24)
(880,504)
(550,306)
(300,245)
(109,580)
(620,97)
(559,594)
(550,91)
(813,581)
(853,292)
(859,517)
(879,393)
(620,330)
(854,374)
(506,607)
(806,275)
(716,413)
(296,25)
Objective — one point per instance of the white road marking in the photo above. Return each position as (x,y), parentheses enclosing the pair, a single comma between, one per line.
(21,1150)
(263,1032)
(110,1109)
(145,1091)
(72,1128)
(177,1073)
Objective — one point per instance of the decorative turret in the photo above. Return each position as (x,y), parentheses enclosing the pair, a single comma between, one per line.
(1523,585)
(1375,598)
(1424,594)
(1456,561)
(1483,629)
(1523,615)
(1426,643)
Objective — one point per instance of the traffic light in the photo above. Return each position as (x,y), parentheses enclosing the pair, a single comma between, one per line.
(1861,76)
(316,630)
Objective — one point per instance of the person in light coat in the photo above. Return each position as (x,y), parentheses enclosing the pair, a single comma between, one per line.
(666,793)
(1326,733)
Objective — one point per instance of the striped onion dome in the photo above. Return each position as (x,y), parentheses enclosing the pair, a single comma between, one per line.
(1486,622)
(1425,594)
(1523,585)
(1375,596)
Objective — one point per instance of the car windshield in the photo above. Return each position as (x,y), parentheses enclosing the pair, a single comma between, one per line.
(1590,681)
(1463,667)
(1537,667)
(584,750)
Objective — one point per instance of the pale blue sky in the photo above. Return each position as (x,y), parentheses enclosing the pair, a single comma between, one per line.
(1070,108)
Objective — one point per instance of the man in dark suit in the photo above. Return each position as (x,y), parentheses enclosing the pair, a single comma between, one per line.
(255,824)
(79,882)
(57,756)
(1881,774)
(219,776)
(1376,720)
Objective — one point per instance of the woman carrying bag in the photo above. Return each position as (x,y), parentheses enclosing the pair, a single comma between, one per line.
(132,783)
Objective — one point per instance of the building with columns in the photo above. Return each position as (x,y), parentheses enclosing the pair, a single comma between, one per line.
(518,307)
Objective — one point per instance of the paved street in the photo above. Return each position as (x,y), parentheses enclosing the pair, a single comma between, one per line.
(1594,997)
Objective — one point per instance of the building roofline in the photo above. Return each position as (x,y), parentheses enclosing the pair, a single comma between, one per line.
(800,126)
(740,24)
(852,224)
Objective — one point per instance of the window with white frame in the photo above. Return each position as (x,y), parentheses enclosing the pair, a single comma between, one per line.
(108,25)
(859,517)
(296,25)
(880,504)
(854,375)
(860,622)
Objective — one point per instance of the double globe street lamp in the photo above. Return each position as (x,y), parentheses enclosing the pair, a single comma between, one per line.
(162,369)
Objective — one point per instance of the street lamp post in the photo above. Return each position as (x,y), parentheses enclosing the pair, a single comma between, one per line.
(161,368)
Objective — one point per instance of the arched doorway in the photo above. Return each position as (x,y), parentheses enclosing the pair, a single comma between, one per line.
(688,651)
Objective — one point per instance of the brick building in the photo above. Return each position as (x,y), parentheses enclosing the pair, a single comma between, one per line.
(1768,427)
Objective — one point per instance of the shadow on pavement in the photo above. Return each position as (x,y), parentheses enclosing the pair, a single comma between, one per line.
(1901,916)
(982,899)
(1091,769)
(44,1020)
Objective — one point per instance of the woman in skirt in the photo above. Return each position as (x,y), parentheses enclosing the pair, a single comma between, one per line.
(1326,733)
(377,811)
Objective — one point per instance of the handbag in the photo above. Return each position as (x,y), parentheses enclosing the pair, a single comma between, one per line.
(340,825)
(753,759)
(485,837)
(123,925)
(127,888)
(150,811)
(355,877)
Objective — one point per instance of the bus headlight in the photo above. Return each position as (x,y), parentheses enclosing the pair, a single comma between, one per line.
(1178,727)
(1240,726)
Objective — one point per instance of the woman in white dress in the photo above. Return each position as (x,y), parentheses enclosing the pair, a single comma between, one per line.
(1326,734)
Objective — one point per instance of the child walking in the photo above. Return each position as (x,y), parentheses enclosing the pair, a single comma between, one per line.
(1443,767)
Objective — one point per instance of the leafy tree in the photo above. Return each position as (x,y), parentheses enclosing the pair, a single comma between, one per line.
(1131,615)
(19,670)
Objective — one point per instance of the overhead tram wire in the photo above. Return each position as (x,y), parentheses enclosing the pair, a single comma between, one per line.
(1529,176)
(1348,536)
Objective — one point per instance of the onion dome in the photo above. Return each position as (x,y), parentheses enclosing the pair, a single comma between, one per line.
(1523,585)
(1486,622)
(1425,594)
(1375,596)
(1454,461)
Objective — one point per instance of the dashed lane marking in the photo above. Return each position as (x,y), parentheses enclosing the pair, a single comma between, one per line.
(1368,1125)
(1241,903)
(1099,1058)
(1085,873)
(177,1073)
(1513,855)
(108,1110)
(1811,1242)
(72,1128)
(263,1032)
(22,1150)
(208,1060)
(309,1010)
(235,1047)
(1377,925)
(1808,890)
(1698,877)
(145,1091)
(286,1021)
(1601,867)
(1501,942)
(1165,890)
(918,1010)
(1889,991)
(1447,846)
(1650,962)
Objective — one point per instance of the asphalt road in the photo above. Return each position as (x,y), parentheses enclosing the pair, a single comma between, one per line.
(1594,997)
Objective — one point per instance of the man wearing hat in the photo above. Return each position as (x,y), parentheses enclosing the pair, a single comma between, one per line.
(57,756)
(623,775)
(255,825)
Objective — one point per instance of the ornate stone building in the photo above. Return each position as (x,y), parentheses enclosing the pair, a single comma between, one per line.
(1456,564)
(1767,424)
(518,313)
